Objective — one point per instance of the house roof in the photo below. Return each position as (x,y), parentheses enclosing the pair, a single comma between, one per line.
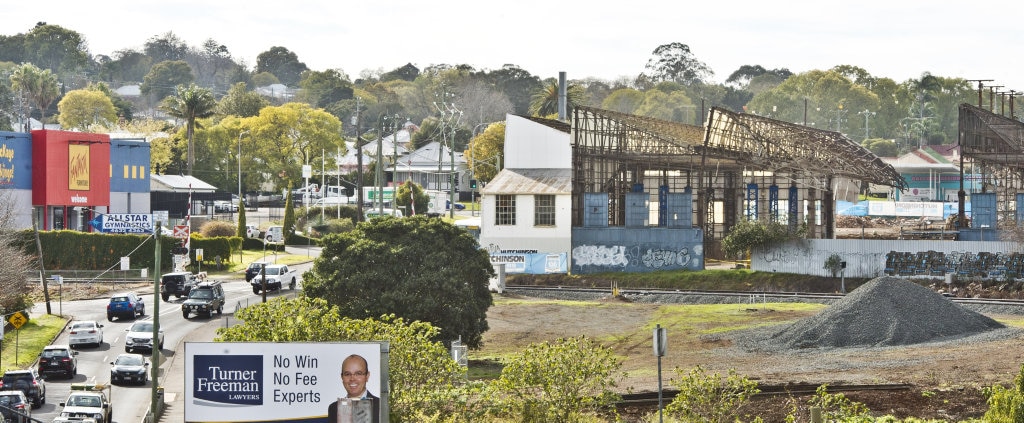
(553,124)
(178,183)
(530,181)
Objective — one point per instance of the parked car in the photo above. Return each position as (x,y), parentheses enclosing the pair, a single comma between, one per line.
(275,234)
(28,382)
(458,206)
(224,206)
(14,407)
(85,332)
(129,368)
(204,299)
(252,231)
(58,359)
(278,276)
(254,269)
(93,404)
(125,304)
(177,284)
(140,337)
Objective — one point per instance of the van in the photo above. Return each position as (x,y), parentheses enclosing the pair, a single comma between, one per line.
(372,213)
(275,234)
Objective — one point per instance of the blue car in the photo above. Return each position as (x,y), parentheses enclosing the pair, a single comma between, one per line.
(126,304)
(458,206)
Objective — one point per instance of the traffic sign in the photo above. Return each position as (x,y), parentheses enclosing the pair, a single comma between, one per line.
(17,319)
(181,231)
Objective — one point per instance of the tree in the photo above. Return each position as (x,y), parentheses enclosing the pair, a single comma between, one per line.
(411,199)
(126,65)
(38,85)
(675,62)
(545,101)
(418,268)
(674,106)
(516,84)
(190,103)
(1006,404)
(283,63)
(555,381)
(79,109)
(240,230)
(14,292)
(423,377)
(323,89)
(623,100)
(405,73)
(288,136)
(164,77)
(486,151)
(166,48)
(881,147)
(241,102)
(704,397)
(55,48)
(289,216)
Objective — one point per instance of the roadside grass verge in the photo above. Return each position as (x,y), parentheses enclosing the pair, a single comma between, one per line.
(29,341)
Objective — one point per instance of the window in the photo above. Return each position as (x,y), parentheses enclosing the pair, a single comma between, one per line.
(544,210)
(505,212)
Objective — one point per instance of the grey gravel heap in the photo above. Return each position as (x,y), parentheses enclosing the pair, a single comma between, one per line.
(886,311)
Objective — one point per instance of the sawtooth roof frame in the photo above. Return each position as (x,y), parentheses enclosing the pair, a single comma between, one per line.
(732,142)
(991,139)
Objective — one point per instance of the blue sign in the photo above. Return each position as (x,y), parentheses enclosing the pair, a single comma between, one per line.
(123,223)
(228,379)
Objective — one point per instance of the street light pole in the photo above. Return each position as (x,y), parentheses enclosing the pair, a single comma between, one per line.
(867,130)
(240,163)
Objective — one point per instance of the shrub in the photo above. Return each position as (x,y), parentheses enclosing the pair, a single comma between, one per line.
(709,397)
(1006,404)
(215,228)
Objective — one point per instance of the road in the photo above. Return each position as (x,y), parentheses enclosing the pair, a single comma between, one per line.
(130,403)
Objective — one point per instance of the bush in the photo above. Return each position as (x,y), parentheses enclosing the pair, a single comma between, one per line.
(709,398)
(750,233)
(1006,404)
(215,228)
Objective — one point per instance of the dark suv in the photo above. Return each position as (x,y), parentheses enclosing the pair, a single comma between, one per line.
(27,381)
(204,299)
(254,269)
(178,284)
(58,359)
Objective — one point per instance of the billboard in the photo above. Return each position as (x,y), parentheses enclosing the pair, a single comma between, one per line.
(285,382)
(123,223)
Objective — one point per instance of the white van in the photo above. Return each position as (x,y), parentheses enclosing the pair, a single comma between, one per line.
(372,213)
(275,234)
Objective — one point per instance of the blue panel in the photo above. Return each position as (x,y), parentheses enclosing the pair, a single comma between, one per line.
(751,201)
(129,166)
(636,250)
(638,211)
(663,205)
(792,201)
(595,213)
(983,210)
(532,263)
(680,206)
(15,160)
(773,202)
(1020,208)
(638,187)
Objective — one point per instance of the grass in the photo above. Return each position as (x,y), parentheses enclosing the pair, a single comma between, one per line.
(28,341)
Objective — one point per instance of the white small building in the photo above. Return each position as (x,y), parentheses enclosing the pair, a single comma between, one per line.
(525,211)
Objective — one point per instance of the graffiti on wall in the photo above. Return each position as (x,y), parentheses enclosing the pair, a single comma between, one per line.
(620,256)
(965,264)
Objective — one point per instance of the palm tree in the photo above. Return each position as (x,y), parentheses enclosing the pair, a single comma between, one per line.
(190,103)
(545,101)
(39,86)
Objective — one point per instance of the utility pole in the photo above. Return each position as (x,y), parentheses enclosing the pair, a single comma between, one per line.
(981,86)
(867,130)
(359,163)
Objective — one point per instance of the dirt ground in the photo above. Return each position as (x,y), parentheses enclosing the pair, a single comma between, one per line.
(947,379)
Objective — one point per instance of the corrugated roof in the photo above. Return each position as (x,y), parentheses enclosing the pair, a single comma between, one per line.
(530,181)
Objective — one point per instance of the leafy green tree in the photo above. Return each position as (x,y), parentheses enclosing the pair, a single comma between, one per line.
(486,152)
(289,216)
(704,397)
(557,381)
(288,136)
(56,48)
(673,106)
(127,65)
(38,85)
(1006,404)
(623,100)
(166,47)
(283,63)
(517,84)
(240,230)
(418,268)
(241,102)
(7,111)
(262,79)
(324,88)
(408,72)
(190,103)
(12,48)
(164,78)
(423,377)
(881,147)
(411,198)
(81,108)
(675,62)
(545,101)
(123,108)
(748,234)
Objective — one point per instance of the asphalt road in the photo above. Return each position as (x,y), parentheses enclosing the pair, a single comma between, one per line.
(130,403)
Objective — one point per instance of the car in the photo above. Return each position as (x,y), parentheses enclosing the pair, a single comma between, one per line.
(204,299)
(129,368)
(14,407)
(458,206)
(28,382)
(140,337)
(277,275)
(58,359)
(254,269)
(275,234)
(225,206)
(125,304)
(82,332)
(178,284)
(87,403)
(252,231)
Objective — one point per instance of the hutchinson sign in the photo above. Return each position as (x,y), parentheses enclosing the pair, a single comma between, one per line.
(282,382)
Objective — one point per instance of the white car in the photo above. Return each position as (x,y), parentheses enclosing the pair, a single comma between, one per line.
(252,231)
(278,276)
(85,332)
(140,337)
(91,404)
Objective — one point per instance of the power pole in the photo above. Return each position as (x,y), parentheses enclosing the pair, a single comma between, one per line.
(359,163)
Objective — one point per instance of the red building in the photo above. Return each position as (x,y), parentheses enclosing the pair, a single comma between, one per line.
(70,178)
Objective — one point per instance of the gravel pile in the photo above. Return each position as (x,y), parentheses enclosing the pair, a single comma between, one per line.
(886,311)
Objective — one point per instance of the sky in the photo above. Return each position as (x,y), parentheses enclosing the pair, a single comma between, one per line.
(586,39)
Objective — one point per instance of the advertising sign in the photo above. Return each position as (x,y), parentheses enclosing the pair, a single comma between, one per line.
(285,382)
(123,223)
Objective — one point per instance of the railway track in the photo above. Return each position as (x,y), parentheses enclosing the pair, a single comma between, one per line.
(647,399)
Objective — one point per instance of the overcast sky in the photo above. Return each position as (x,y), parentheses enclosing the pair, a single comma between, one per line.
(601,39)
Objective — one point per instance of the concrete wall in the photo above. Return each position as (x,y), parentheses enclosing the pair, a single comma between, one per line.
(619,249)
(524,235)
(535,146)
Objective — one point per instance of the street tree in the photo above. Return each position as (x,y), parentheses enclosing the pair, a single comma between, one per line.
(164,77)
(37,85)
(189,104)
(418,268)
(423,378)
(482,103)
(56,48)
(166,47)
(673,106)
(126,65)
(80,109)
(675,62)
(623,100)
(411,199)
(322,89)
(289,136)
(486,152)
(283,63)
(516,83)
(545,101)
(241,102)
